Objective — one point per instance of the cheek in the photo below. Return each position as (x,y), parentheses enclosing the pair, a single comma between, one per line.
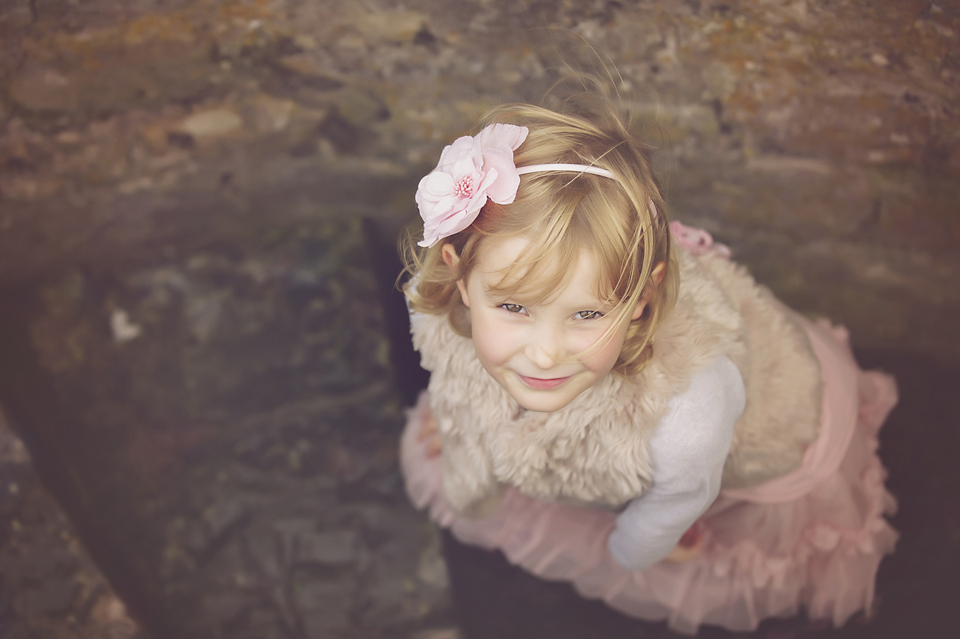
(605,359)
(489,339)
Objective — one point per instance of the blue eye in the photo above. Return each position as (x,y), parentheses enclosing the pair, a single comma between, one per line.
(588,315)
(513,308)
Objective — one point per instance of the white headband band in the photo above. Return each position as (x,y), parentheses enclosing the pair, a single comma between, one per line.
(578,168)
(573,168)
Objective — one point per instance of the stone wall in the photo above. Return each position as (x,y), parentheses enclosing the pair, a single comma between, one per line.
(819,139)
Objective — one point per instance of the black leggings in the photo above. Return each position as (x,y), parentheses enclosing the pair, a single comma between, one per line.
(496,600)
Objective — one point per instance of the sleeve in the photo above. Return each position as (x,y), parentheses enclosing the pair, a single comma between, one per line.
(688,450)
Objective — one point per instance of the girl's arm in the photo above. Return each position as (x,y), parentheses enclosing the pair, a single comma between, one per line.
(688,451)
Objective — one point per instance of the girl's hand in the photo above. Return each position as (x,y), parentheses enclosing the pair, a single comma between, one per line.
(689,545)
(430,433)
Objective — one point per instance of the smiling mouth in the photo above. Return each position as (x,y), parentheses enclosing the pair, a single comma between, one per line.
(543,384)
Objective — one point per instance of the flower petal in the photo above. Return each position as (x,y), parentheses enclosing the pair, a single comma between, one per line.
(510,135)
(462,148)
(503,188)
(436,184)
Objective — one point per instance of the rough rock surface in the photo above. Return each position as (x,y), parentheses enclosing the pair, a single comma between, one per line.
(820,139)
(221,426)
(49,587)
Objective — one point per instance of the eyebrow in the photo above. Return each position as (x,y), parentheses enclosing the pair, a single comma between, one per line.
(594,304)
(518,297)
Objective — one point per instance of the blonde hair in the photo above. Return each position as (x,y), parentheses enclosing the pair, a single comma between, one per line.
(563,213)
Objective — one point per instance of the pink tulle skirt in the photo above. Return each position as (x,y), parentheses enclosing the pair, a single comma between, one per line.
(811,540)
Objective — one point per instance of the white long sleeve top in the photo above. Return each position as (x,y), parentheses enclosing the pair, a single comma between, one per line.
(688,450)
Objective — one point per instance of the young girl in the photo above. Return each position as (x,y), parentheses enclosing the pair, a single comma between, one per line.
(619,405)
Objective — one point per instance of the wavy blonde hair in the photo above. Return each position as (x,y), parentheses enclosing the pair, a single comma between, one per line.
(562,214)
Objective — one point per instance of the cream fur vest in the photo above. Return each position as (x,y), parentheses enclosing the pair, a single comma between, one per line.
(594,451)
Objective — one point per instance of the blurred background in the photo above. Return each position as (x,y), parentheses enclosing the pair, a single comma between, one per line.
(204,361)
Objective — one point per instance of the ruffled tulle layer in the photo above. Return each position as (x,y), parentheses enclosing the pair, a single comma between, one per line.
(811,540)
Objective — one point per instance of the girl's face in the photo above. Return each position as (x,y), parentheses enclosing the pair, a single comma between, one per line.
(537,351)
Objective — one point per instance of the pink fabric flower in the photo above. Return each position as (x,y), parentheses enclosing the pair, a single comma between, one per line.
(471,170)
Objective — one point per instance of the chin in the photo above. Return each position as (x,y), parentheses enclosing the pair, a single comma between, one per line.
(543,407)
(542,402)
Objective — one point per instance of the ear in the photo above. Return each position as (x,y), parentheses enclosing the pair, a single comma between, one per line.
(657,276)
(451,259)
(657,273)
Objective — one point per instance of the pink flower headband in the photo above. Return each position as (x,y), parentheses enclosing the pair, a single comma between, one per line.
(473,170)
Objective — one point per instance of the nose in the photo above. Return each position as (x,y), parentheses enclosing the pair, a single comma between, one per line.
(545,348)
